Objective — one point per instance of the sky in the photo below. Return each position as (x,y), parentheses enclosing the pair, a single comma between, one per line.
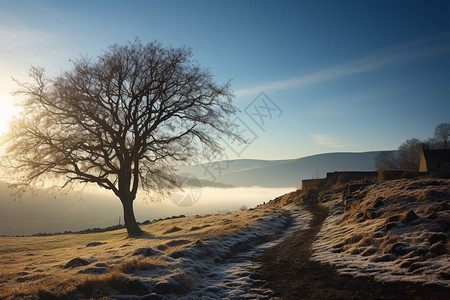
(309,76)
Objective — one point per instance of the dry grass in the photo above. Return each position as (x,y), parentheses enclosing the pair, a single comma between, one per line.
(323,209)
(427,209)
(289,198)
(225,229)
(367,241)
(388,227)
(185,283)
(139,264)
(48,288)
(100,285)
(91,286)
(40,260)
(384,204)
(5,276)
(355,238)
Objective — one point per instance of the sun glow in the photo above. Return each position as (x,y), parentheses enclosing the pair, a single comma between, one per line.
(7,112)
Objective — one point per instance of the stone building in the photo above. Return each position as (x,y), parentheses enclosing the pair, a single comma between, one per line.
(435,161)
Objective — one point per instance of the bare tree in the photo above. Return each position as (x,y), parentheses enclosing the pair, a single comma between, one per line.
(409,154)
(386,160)
(122,121)
(442,134)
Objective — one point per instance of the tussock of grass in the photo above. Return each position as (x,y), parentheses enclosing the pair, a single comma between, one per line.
(367,241)
(92,286)
(355,238)
(173,229)
(5,276)
(182,282)
(100,285)
(427,209)
(324,210)
(185,283)
(294,197)
(54,288)
(138,264)
(228,226)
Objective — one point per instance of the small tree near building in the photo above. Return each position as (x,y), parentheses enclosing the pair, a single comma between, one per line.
(409,154)
(408,157)
(122,121)
(386,160)
(442,134)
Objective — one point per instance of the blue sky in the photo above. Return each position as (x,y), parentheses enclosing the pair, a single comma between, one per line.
(343,75)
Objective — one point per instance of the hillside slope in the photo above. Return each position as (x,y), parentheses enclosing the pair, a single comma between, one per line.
(206,256)
(393,231)
(363,253)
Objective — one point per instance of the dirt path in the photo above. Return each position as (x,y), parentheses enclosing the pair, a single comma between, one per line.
(292,275)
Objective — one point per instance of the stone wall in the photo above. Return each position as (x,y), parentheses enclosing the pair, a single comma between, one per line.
(343,177)
(311,183)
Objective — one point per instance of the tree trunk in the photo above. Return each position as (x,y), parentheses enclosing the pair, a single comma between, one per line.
(128,215)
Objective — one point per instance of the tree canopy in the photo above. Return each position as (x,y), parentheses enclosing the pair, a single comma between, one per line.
(123,121)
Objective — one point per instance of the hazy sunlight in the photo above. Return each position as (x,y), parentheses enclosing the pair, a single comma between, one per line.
(7,111)
(301,151)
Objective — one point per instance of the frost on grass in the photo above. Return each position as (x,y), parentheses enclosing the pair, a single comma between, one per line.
(228,269)
(213,260)
(393,231)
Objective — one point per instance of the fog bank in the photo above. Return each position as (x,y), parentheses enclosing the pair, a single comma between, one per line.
(74,212)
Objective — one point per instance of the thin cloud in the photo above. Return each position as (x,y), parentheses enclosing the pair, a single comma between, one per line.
(328,141)
(347,104)
(418,49)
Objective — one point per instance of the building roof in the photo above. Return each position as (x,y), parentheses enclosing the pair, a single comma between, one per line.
(437,155)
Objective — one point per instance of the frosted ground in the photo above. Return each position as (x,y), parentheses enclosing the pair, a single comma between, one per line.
(210,255)
(394,231)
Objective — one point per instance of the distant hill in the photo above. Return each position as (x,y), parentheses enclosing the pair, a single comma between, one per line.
(279,173)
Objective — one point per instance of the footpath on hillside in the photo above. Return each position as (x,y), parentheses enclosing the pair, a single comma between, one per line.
(292,275)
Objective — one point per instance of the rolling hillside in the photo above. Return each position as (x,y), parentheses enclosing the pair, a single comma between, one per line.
(279,173)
